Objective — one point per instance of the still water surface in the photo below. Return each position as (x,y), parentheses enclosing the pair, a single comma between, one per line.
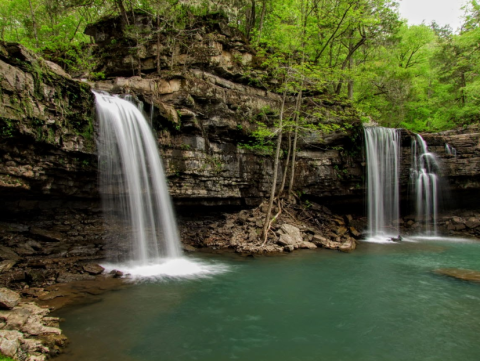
(381,302)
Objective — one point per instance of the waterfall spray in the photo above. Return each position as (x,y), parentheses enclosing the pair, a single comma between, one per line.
(424,176)
(383,159)
(132,181)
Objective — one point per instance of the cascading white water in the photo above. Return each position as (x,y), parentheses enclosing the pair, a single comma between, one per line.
(383,159)
(425,179)
(450,150)
(132,181)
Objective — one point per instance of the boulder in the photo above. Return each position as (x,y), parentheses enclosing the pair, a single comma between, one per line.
(307,245)
(292,231)
(321,241)
(10,342)
(93,269)
(286,240)
(8,298)
(472,223)
(348,246)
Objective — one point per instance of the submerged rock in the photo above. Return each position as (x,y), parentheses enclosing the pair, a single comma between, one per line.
(461,274)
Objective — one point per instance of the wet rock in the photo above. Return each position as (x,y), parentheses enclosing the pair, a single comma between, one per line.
(116,273)
(289,248)
(354,232)
(188,248)
(8,298)
(348,246)
(461,274)
(472,223)
(93,269)
(65,277)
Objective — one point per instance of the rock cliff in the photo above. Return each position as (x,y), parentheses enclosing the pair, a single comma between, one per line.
(204,90)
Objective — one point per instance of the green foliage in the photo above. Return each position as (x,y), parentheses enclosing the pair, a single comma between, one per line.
(424,78)
(5,358)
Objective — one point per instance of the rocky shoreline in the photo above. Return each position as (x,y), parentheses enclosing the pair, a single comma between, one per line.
(27,332)
(297,226)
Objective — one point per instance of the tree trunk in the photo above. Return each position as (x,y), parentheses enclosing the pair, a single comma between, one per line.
(275,169)
(294,149)
(250,20)
(34,24)
(262,18)
(350,81)
(158,45)
(122,10)
(285,169)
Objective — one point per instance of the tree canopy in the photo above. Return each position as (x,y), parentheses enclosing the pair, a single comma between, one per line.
(420,77)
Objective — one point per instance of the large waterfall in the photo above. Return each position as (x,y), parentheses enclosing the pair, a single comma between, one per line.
(383,159)
(132,181)
(424,175)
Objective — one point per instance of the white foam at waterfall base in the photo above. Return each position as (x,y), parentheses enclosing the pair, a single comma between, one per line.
(380,239)
(167,268)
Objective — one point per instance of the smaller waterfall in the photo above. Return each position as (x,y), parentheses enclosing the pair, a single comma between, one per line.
(132,181)
(425,179)
(450,150)
(383,159)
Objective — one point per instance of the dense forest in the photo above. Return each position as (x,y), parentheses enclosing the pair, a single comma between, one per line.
(421,77)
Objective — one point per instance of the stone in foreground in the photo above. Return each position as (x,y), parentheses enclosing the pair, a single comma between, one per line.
(8,298)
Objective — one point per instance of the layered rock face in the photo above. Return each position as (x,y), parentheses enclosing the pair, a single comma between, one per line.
(204,93)
(48,193)
(46,128)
